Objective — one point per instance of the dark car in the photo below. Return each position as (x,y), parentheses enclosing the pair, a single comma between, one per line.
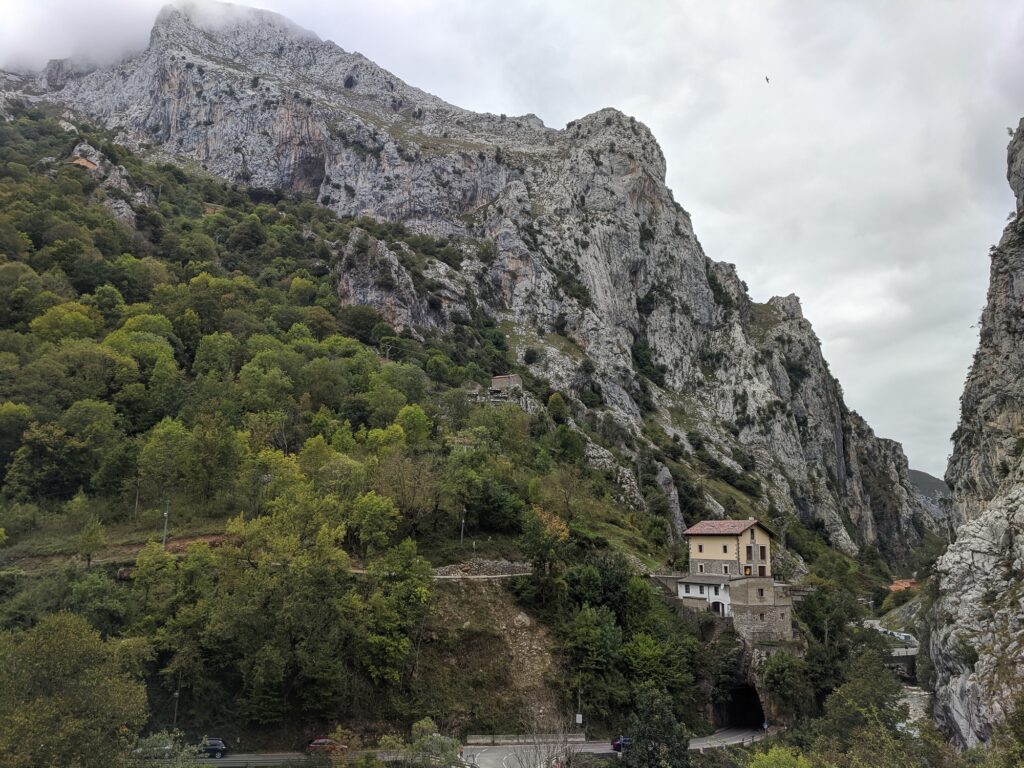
(325,746)
(214,747)
(621,742)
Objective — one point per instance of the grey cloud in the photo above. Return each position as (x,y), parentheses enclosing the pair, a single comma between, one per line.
(868,176)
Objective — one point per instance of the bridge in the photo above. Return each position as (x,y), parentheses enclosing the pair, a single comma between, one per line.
(903,649)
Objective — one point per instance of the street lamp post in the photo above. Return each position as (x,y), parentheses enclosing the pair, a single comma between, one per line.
(462,529)
(167,513)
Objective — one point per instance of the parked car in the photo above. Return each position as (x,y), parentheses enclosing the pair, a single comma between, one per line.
(621,742)
(214,747)
(324,746)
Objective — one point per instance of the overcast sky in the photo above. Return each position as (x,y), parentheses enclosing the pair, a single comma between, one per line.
(868,176)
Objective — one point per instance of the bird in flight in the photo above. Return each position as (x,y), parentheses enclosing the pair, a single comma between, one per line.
(766,79)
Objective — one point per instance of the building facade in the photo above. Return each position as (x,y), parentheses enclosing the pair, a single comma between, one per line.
(730,548)
(730,574)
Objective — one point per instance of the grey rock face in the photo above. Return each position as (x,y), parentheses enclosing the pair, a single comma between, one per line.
(570,238)
(977,639)
(990,436)
(977,621)
(933,493)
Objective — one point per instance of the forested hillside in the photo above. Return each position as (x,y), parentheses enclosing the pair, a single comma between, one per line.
(193,358)
(201,364)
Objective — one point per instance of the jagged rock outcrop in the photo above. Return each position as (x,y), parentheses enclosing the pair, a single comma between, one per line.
(977,620)
(934,495)
(570,237)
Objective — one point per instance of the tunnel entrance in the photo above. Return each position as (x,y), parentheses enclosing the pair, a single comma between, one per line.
(741,710)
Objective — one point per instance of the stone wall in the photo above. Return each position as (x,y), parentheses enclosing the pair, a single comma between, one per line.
(714,567)
(776,625)
(761,617)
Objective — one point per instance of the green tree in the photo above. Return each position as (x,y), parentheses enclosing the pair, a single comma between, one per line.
(301,291)
(50,463)
(109,301)
(786,680)
(869,694)
(779,757)
(659,739)
(14,419)
(67,698)
(558,409)
(544,535)
(71,320)
(218,354)
(91,540)
(215,454)
(373,519)
(416,424)
(164,458)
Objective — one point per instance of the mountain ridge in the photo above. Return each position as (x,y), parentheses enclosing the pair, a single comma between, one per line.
(564,234)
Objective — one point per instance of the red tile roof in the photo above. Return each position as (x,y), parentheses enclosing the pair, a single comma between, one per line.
(720,527)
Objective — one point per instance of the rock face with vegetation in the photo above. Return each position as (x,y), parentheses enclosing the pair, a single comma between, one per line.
(977,639)
(567,238)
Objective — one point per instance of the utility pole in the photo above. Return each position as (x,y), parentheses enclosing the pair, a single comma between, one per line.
(167,512)
(579,700)
(177,695)
(462,530)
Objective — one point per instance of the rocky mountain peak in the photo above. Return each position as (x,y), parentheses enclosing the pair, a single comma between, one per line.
(568,238)
(237,26)
(788,307)
(1015,169)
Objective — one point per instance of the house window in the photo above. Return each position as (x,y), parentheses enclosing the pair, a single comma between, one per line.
(716,591)
(750,552)
(686,588)
(760,592)
(700,547)
(746,570)
(760,617)
(700,568)
(751,534)
(725,549)
(701,588)
(764,552)
(725,569)
(762,571)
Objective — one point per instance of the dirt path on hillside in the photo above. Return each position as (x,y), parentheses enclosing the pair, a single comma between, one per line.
(471,570)
(119,553)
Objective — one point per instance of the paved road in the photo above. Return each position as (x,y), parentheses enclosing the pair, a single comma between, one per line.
(241,760)
(727,737)
(516,757)
(498,757)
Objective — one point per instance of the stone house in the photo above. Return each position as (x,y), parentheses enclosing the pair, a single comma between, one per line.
(730,575)
(506,387)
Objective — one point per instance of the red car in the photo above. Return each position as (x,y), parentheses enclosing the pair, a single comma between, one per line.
(325,746)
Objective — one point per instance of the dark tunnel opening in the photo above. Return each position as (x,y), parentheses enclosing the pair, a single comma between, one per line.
(741,710)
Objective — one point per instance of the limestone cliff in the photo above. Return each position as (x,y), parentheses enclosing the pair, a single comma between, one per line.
(569,238)
(977,637)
